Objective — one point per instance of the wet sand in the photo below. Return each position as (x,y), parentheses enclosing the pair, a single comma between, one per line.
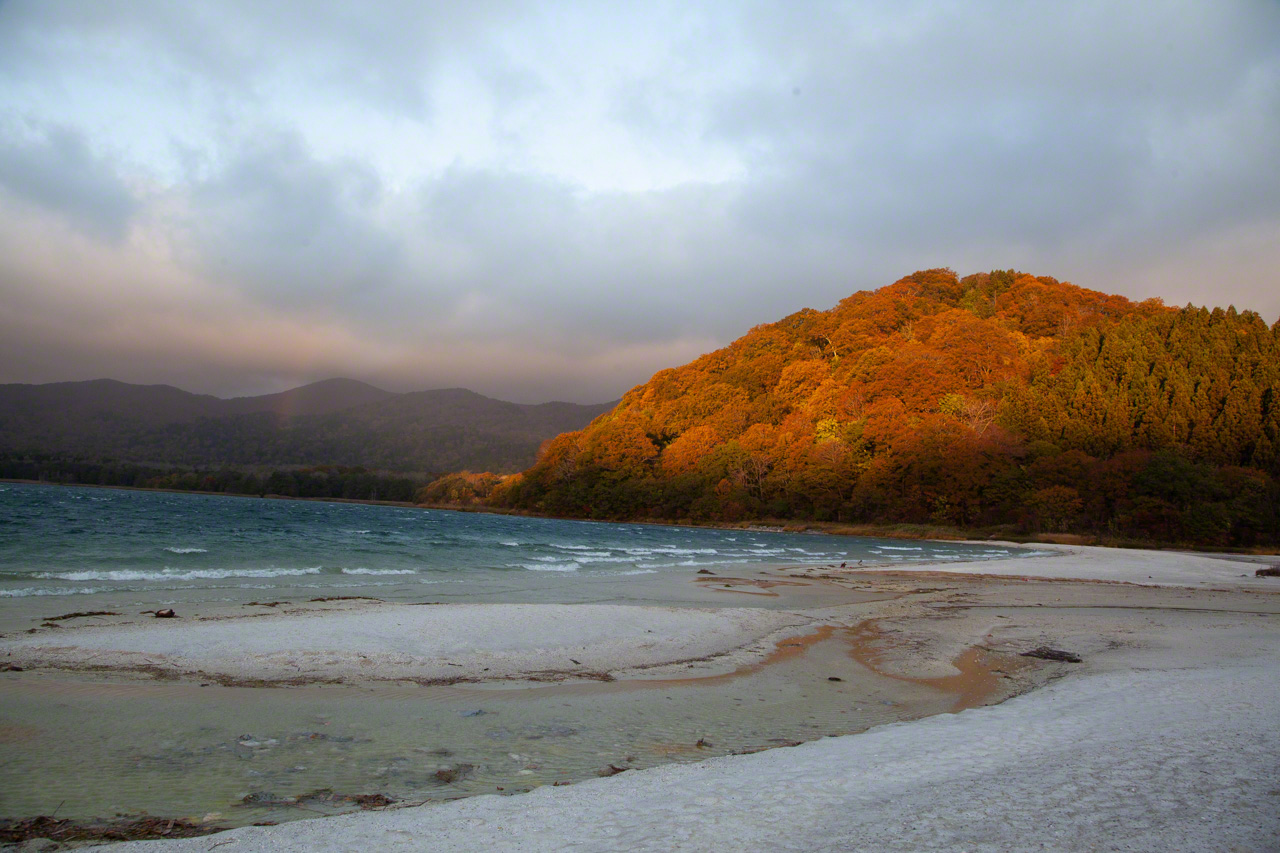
(956,636)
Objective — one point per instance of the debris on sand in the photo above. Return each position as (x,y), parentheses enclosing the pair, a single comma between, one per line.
(319,797)
(449,775)
(1268,572)
(1046,653)
(14,831)
(611,770)
(81,613)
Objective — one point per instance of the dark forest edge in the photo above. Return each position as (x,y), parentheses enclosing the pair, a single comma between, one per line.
(319,482)
(467,492)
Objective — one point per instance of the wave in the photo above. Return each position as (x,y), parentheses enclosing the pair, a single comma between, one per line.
(673,550)
(364,571)
(551,567)
(175,550)
(899,547)
(172,574)
(30,591)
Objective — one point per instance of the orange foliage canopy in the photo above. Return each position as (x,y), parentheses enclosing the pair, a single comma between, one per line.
(931,399)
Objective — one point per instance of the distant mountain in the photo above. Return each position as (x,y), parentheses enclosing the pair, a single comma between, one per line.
(318,398)
(334,422)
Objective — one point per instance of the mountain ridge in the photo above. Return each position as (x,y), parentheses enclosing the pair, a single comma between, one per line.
(331,422)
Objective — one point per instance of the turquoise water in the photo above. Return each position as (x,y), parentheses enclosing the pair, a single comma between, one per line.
(94,743)
(61,541)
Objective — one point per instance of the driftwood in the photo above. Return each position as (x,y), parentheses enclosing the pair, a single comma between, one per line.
(1046,653)
(1268,572)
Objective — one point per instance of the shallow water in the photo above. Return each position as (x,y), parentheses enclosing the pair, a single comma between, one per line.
(91,748)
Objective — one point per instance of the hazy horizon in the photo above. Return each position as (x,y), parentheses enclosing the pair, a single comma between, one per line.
(296,387)
(554,202)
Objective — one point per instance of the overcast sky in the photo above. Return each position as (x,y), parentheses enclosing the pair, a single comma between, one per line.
(554,200)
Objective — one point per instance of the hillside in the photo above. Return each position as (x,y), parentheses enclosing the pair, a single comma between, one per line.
(335,422)
(996,399)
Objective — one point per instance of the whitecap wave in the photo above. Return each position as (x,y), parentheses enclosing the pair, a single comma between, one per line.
(173,549)
(364,571)
(672,550)
(169,574)
(551,567)
(30,591)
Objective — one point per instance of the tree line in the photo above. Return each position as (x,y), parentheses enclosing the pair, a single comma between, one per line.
(324,481)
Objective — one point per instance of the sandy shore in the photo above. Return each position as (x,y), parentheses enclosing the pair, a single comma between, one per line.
(1167,736)
(1124,565)
(368,641)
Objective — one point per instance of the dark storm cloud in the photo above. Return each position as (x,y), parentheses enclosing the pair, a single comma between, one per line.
(53,167)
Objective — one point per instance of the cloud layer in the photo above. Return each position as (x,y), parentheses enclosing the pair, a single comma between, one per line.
(553,201)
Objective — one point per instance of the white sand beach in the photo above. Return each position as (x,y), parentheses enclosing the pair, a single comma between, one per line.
(1166,736)
(376,641)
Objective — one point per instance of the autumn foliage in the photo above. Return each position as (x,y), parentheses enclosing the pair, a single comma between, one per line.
(996,399)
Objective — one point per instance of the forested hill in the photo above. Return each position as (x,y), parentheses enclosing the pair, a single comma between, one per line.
(996,399)
(336,422)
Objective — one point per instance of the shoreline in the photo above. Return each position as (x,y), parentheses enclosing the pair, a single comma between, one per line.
(1080,777)
(823,528)
(1134,632)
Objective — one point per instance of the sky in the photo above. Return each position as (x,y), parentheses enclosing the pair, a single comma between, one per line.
(554,200)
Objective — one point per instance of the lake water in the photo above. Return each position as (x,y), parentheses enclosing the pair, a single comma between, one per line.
(95,744)
(68,541)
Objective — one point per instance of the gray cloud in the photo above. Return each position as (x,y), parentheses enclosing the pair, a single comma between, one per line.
(559,201)
(291,231)
(54,168)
